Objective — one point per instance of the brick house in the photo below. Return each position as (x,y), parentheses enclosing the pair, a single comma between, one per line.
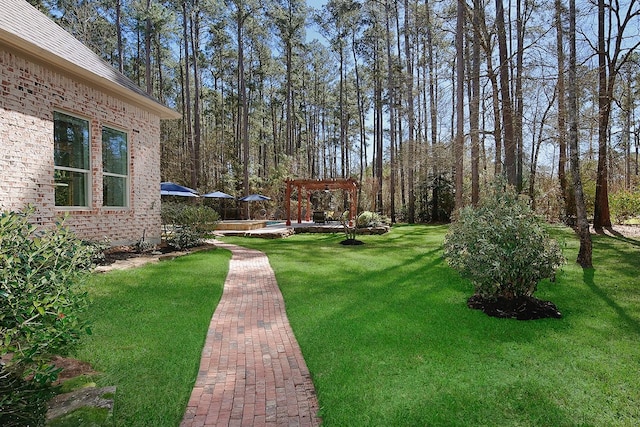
(77,137)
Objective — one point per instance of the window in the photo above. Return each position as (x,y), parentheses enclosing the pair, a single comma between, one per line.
(115,160)
(71,160)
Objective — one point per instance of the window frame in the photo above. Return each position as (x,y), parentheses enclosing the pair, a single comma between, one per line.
(87,173)
(127,163)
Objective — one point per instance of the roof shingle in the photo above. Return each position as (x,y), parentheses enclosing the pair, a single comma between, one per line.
(25,28)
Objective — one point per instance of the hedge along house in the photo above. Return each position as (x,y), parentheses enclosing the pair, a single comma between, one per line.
(78,139)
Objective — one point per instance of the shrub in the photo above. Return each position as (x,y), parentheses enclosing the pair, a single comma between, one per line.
(369,219)
(502,247)
(189,223)
(40,305)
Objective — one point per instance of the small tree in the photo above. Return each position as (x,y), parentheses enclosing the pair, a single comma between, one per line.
(190,223)
(502,247)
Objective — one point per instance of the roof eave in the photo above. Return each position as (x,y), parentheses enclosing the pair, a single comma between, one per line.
(43,56)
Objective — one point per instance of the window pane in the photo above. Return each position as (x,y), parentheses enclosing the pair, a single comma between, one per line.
(71,141)
(114,191)
(70,188)
(114,151)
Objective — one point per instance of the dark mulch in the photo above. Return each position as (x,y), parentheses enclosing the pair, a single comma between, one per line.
(119,253)
(521,308)
(352,242)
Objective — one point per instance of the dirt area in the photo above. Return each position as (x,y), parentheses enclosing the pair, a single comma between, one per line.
(124,257)
(628,231)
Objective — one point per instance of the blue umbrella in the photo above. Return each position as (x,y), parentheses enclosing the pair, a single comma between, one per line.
(173,189)
(218,195)
(254,198)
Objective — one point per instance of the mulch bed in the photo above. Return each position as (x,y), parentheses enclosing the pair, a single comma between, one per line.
(522,308)
(120,253)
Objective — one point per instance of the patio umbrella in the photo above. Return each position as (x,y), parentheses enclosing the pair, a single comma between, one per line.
(173,189)
(254,198)
(218,195)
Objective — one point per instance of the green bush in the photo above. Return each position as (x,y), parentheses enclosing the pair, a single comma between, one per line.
(40,303)
(625,205)
(502,247)
(188,224)
(369,219)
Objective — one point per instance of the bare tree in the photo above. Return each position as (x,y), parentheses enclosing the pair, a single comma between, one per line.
(458,144)
(585,251)
(612,55)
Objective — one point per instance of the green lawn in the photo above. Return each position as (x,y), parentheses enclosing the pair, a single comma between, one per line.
(149,326)
(387,335)
(390,342)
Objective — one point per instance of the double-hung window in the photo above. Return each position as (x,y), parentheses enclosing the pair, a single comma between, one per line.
(72,167)
(115,168)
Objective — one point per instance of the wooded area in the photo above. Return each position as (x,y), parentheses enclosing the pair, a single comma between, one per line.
(421,101)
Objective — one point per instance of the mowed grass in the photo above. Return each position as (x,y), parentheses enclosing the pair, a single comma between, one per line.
(389,341)
(149,325)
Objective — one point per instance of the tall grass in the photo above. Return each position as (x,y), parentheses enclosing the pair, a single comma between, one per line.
(388,338)
(149,327)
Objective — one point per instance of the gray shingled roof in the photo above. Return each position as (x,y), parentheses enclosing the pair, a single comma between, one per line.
(26,29)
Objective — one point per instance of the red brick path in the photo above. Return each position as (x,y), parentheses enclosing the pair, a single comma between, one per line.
(252,372)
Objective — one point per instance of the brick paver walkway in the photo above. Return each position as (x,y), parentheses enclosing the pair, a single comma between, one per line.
(252,372)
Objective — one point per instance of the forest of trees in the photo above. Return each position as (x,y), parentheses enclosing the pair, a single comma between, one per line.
(422,101)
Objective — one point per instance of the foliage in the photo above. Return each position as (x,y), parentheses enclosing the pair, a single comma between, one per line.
(501,246)
(369,219)
(188,224)
(22,402)
(435,197)
(625,205)
(98,249)
(41,302)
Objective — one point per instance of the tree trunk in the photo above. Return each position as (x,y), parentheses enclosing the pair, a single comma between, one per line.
(410,116)
(187,96)
(458,144)
(147,50)
(601,214)
(567,196)
(195,48)
(119,35)
(474,106)
(507,109)
(585,251)
(392,114)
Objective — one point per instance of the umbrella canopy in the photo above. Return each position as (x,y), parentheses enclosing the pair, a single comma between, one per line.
(218,195)
(173,189)
(254,198)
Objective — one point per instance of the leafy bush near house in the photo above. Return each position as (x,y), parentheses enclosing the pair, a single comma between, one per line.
(187,224)
(40,300)
(502,247)
(625,205)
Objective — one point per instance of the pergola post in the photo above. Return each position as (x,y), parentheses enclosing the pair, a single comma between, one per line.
(299,204)
(288,199)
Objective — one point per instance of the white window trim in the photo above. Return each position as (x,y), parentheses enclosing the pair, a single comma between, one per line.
(88,193)
(127,177)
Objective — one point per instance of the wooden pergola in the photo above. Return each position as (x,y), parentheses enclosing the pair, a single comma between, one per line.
(310,185)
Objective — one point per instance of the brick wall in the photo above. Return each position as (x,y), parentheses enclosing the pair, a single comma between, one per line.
(29,94)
